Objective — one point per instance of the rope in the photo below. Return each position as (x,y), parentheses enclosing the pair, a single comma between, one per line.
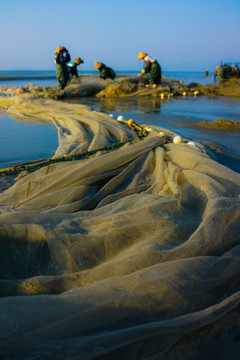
(37,164)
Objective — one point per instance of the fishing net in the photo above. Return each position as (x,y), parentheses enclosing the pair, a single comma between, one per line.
(125,87)
(83,86)
(139,87)
(129,253)
(136,86)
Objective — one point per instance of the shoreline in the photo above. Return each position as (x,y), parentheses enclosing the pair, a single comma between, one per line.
(27,77)
(123,87)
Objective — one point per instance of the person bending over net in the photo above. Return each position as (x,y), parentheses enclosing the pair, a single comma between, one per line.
(72,67)
(105,71)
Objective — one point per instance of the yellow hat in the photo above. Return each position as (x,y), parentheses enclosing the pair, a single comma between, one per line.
(58,49)
(141,55)
(97,65)
(78,61)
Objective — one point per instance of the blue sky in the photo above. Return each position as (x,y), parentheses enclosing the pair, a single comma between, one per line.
(181,35)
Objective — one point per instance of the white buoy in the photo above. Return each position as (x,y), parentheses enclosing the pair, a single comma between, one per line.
(119,118)
(177,139)
(192,143)
(111,115)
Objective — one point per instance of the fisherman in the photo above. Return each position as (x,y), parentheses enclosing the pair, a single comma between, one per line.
(62,57)
(224,72)
(105,71)
(217,71)
(206,72)
(152,67)
(238,71)
(72,66)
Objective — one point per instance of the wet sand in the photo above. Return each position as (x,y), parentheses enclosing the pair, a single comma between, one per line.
(220,125)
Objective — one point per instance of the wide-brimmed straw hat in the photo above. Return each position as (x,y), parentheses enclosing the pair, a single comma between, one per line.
(141,55)
(78,61)
(98,65)
(58,49)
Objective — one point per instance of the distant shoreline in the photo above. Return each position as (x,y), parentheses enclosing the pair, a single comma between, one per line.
(36,77)
(27,77)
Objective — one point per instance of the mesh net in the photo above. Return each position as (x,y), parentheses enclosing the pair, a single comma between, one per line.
(123,254)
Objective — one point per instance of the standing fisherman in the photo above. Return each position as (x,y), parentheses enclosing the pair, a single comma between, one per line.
(62,57)
(152,67)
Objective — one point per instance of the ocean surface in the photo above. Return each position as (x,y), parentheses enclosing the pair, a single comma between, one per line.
(20,142)
(47,77)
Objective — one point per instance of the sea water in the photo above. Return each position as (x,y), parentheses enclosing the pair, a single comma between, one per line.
(23,142)
(47,77)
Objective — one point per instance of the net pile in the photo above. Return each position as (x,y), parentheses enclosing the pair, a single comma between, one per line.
(128,254)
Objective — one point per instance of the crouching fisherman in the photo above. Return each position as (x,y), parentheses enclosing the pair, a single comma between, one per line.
(152,67)
(62,57)
(72,66)
(105,71)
